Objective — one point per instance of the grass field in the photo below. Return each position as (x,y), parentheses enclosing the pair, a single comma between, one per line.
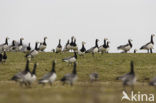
(106,90)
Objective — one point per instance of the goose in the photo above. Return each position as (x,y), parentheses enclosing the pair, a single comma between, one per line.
(5,45)
(70,46)
(66,48)
(59,47)
(107,47)
(1,57)
(49,77)
(70,59)
(153,82)
(43,45)
(129,78)
(126,47)
(70,78)
(103,47)
(4,57)
(20,45)
(13,46)
(23,76)
(75,48)
(33,52)
(135,50)
(33,77)
(148,46)
(94,49)
(93,76)
(82,51)
(29,47)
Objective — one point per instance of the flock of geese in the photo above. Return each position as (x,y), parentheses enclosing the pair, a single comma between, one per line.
(28,77)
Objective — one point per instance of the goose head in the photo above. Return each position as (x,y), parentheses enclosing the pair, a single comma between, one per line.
(22,38)
(105,38)
(130,40)
(45,38)
(83,43)
(153,35)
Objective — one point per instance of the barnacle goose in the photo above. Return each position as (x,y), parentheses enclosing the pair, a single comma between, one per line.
(5,45)
(75,48)
(129,78)
(4,57)
(20,45)
(29,47)
(94,49)
(103,47)
(149,46)
(70,78)
(70,47)
(33,77)
(33,52)
(66,47)
(49,77)
(1,57)
(126,47)
(93,76)
(24,76)
(82,51)
(43,45)
(153,82)
(12,47)
(59,47)
(70,59)
(107,46)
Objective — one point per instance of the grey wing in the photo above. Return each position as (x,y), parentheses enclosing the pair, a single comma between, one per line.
(67,58)
(122,46)
(46,76)
(90,50)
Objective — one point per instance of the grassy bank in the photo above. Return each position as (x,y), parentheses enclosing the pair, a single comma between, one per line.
(106,90)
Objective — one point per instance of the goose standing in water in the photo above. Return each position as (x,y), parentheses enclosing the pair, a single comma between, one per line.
(149,46)
(129,78)
(126,47)
(50,77)
(94,49)
(33,52)
(43,45)
(70,78)
(66,48)
(82,51)
(59,47)
(70,59)
(23,76)
(93,76)
(5,45)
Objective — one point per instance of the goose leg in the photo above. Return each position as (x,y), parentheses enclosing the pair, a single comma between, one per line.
(151,51)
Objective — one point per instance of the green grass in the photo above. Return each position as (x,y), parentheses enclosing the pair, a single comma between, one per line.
(106,90)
